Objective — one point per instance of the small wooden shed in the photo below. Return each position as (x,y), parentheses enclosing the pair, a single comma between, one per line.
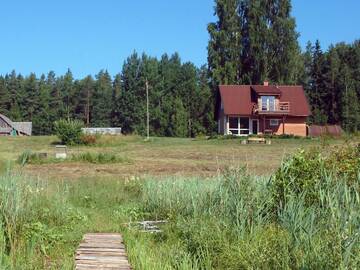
(8,127)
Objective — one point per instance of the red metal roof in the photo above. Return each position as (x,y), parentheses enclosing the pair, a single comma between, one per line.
(237,99)
(299,105)
(266,89)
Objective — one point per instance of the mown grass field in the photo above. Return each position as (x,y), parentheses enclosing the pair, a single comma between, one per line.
(159,156)
(218,218)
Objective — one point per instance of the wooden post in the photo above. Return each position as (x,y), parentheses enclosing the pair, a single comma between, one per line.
(147,110)
(283,124)
(88,108)
(263,125)
(227,125)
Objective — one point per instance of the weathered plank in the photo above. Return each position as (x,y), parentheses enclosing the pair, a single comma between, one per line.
(101,251)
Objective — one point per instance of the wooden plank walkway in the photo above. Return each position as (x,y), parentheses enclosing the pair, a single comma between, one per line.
(101,251)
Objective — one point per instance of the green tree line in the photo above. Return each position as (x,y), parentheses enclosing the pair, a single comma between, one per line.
(332,83)
(180,100)
(252,41)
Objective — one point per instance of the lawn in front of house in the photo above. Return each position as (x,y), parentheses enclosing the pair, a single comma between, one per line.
(158,157)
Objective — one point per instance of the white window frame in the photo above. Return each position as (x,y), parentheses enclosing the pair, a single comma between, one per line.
(239,129)
(268,103)
(244,129)
(274,122)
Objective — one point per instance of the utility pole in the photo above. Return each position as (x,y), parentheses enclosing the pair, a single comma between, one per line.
(147,109)
(88,108)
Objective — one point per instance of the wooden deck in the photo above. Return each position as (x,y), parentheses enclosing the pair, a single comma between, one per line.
(101,251)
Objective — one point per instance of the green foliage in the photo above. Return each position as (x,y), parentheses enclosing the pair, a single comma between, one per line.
(69,131)
(345,162)
(88,139)
(32,221)
(306,172)
(98,158)
(286,136)
(28,157)
(253,41)
(300,174)
(230,222)
(103,102)
(331,82)
(180,101)
(256,41)
(225,222)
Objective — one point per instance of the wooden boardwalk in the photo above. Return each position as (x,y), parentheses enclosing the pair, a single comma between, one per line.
(101,251)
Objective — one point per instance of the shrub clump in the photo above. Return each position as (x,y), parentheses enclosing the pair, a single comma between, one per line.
(32,222)
(88,139)
(69,131)
(98,158)
(28,157)
(306,172)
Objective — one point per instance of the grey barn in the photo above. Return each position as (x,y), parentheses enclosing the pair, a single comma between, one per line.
(8,127)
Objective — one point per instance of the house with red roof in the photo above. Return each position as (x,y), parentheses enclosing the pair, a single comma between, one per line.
(262,109)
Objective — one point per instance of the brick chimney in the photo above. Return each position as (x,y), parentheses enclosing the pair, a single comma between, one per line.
(266,83)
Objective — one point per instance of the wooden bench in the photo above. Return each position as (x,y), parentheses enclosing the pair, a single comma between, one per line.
(256,140)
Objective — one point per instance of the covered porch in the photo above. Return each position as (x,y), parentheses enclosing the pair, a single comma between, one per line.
(249,125)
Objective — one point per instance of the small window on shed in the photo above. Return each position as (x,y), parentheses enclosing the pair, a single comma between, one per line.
(274,122)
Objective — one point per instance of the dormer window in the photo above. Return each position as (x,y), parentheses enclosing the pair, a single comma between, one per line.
(268,103)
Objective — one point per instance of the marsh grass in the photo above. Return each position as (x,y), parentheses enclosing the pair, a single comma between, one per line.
(33,220)
(230,222)
(27,157)
(99,158)
(233,221)
(42,222)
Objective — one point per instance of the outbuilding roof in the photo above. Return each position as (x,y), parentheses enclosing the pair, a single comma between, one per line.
(239,100)
(22,127)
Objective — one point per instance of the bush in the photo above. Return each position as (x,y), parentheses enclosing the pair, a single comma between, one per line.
(225,223)
(306,172)
(69,131)
(27,157)
(298,174)
(98,158)
(88,139)
(32,221)
(345,161)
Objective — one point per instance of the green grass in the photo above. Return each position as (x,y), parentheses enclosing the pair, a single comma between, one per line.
(28,157)
(159,156)
(231,221)
(43,222)
(304,216)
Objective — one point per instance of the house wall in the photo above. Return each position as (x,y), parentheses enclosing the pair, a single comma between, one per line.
(221,121)
(293,125)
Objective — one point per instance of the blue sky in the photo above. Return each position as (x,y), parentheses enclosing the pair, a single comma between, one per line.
(86,36)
